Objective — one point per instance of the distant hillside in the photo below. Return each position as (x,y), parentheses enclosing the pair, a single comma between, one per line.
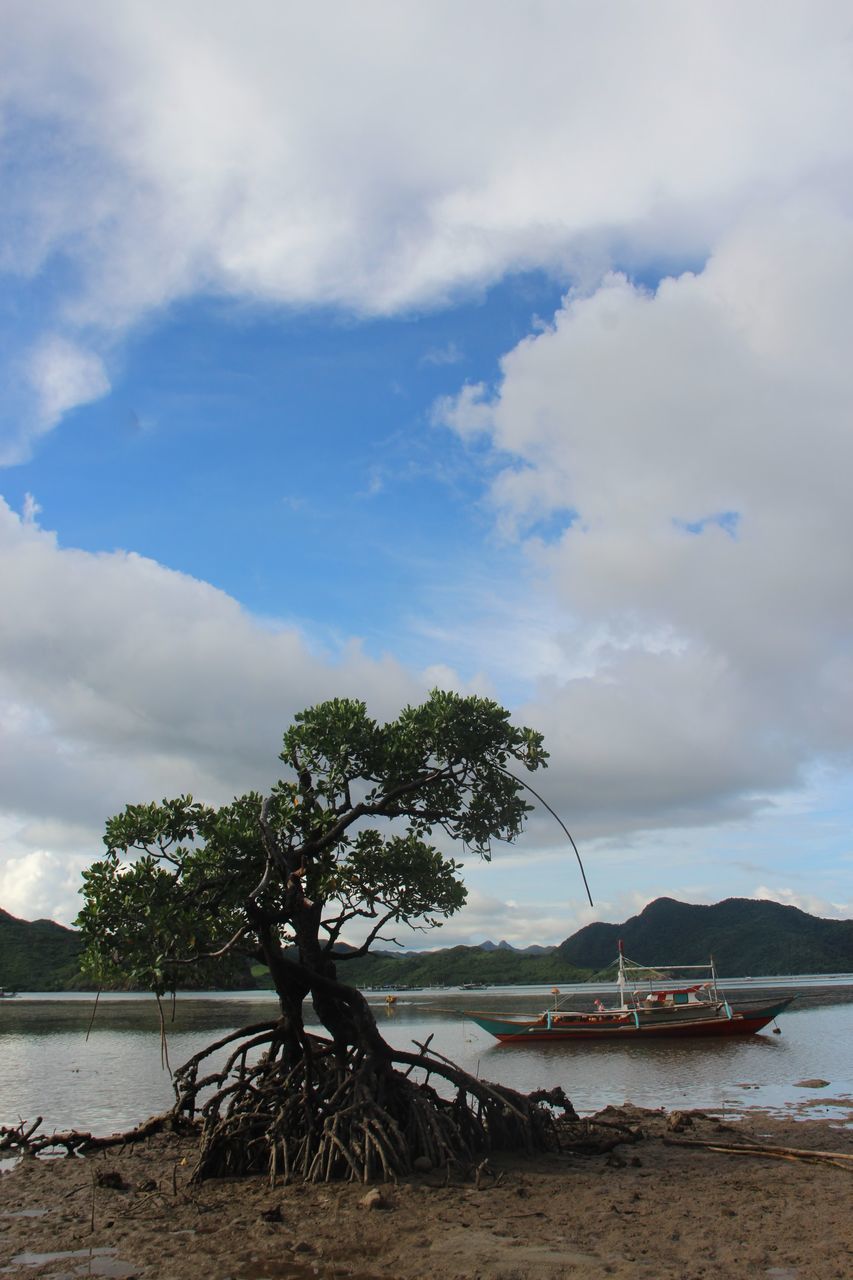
(746,937)
(454,965)
(38,956)
(533,950)
(41,955)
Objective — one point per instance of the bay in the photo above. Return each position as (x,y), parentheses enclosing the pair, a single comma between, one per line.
(116,1078)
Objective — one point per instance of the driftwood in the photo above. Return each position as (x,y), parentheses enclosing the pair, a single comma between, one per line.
(24,1139)
(841,1159)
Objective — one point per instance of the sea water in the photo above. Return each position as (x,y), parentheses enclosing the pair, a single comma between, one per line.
(111,1075)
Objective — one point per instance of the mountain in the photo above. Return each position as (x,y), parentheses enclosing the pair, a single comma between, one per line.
(452,966)
(533,950)
(38,955)
(41,955)
(746,936)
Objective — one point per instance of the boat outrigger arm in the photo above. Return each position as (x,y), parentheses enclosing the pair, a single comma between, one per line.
(644,974)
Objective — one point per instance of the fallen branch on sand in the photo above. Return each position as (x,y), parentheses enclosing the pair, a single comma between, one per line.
(841,1159)
(24,1139)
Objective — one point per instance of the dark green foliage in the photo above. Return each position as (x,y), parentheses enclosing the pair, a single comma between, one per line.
(746,938)
(345,836)
(343,842)
(143,919)
(452,966)
(39,956)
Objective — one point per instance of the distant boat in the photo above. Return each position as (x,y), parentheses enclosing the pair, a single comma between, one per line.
(473,986)
(7,995)
(651,1006)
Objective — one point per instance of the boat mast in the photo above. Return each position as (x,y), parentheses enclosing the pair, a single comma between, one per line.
(621,978)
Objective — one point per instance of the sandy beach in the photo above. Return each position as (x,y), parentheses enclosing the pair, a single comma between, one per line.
(655,1207)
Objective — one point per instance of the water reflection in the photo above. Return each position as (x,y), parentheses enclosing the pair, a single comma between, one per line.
(94,1262)
(115,1078)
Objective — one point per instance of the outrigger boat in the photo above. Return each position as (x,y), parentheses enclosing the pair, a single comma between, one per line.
(650,1007)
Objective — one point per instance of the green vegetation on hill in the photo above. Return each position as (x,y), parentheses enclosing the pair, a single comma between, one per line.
(745,936)
(452,966)
(38,956)
(41,955)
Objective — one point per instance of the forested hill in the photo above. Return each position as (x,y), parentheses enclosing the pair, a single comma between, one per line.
(38,955)
(452,966)
(745,936)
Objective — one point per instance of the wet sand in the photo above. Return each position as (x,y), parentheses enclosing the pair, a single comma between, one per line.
(646,1209)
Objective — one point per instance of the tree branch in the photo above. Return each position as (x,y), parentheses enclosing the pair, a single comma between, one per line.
(367,944)
(522,783)
(312,847)
(212,955)
(270,839)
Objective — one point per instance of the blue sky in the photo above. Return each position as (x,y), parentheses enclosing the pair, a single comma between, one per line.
(363,352)
(234,441)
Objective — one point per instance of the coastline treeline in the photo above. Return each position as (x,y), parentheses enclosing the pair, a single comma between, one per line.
(747,937)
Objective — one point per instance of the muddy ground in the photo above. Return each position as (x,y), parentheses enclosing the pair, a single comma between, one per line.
(649,1208)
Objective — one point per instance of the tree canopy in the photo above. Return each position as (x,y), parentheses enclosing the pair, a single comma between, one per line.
(346,837)
(361,833)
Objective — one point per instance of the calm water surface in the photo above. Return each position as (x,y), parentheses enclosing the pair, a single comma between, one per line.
(115,1078)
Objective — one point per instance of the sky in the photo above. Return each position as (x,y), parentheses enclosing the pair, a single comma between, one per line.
(355,350)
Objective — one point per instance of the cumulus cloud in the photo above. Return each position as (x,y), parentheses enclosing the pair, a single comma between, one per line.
(809,902)
(383,157)
(695,441)
(41,885)
(692,441)
(125,681)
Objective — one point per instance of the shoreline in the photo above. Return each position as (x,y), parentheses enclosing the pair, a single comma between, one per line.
(655,1207)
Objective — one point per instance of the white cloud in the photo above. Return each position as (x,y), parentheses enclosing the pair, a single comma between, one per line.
(31,509)
(488,916)
(44,382)
(809,902)
(41,885)
(124,681)
(64,376)
(449,354)
(381,157)
(697,671)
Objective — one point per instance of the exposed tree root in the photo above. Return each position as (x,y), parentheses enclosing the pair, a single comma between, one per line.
(361,1117)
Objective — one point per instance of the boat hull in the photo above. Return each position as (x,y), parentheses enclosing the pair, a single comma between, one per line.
(743,1022)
